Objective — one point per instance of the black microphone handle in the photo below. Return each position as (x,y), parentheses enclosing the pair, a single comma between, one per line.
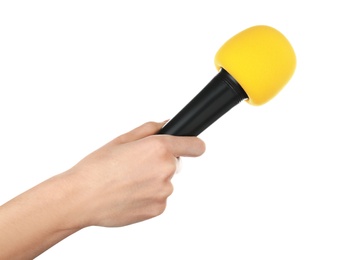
(221,94)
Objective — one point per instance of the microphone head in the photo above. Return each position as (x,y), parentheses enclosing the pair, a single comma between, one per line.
(260,59)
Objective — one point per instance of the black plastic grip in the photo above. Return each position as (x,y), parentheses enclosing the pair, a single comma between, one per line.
(221,94)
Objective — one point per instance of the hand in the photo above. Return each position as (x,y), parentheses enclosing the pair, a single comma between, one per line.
(129,179)
(126,181)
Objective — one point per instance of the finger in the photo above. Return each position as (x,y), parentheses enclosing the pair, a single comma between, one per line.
(178,165)
(140,132)
(186,146)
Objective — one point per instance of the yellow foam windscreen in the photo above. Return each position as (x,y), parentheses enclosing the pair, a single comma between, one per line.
(260,59)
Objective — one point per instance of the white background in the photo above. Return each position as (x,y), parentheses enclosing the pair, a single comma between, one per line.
(276,181)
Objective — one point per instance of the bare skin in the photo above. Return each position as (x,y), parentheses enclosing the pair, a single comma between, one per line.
(126,181)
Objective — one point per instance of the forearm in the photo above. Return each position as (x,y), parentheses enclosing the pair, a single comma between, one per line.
(125,181)
(38,219)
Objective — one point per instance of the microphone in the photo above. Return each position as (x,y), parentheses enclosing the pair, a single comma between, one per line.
(254,65)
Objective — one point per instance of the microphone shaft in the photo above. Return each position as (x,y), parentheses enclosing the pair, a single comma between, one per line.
(221,94)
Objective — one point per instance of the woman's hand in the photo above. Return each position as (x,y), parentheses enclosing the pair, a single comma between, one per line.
(129,179)
(126,181)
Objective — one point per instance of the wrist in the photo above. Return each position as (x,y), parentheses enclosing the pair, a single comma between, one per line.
(73,200)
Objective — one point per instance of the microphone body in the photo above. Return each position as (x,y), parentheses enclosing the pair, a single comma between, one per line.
(254,65)
(214,100)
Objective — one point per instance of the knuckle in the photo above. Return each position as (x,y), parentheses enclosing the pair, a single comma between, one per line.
(158,145)
(165,192)
(169,190)
(171,167)
(157,209)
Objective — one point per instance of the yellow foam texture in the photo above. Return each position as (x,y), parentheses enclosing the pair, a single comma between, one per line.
(260,59)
